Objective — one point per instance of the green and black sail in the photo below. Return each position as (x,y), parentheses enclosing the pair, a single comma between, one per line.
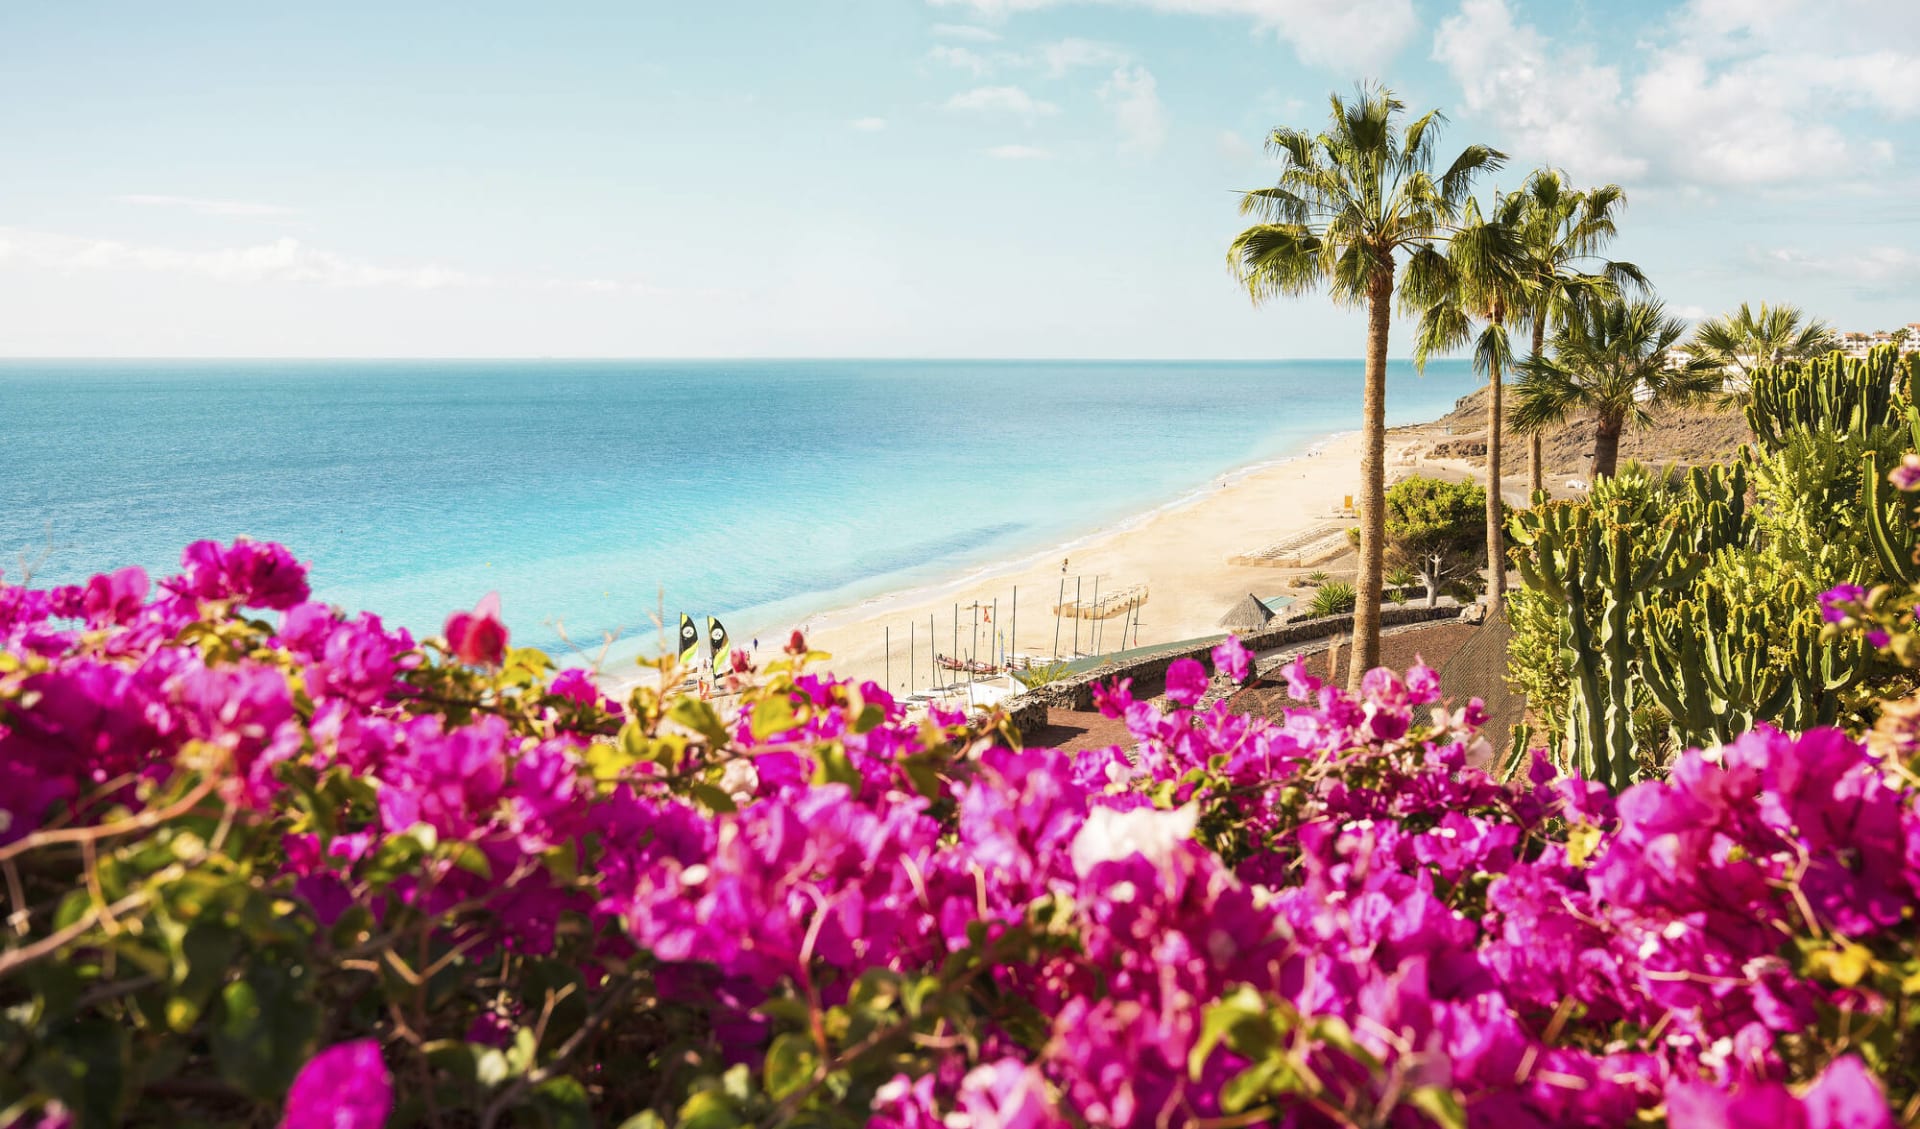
(689,641)
(717,637)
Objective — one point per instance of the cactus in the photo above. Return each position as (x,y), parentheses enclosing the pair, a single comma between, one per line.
(1717,666)
(1830,394)
(1603,560)
(1893,517)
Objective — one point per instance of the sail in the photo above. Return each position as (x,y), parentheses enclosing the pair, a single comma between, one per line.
(717,636)
(689,641)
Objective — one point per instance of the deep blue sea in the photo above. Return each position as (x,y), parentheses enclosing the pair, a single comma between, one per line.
(591,494)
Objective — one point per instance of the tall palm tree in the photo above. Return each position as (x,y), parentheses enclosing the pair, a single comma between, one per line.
(1611,362)
(1480,281)
(1348,201)
(1564,231)
(1739,342)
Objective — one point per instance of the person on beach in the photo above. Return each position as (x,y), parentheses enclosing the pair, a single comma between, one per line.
(1063,566)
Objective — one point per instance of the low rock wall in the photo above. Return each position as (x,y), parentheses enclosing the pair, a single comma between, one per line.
(1149,672)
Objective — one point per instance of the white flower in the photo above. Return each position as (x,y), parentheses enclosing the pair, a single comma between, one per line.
(1109,836)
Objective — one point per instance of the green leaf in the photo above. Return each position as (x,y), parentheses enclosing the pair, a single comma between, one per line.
(205,956)
(561,1103)
(790,1064)
(1222,1017)
(702,718)
(472,859)
(263,1030)
(710,1110)
(85,1065)
(1250,1085)
(772,716)
(713,798)
(1441,1104)
(836,767)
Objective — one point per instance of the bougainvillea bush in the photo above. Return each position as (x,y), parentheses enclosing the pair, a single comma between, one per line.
(264,864)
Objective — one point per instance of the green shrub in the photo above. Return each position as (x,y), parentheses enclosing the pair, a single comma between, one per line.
(1333,598)
(1315,578)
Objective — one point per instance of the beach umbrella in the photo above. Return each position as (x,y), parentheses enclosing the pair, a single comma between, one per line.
(1248,614)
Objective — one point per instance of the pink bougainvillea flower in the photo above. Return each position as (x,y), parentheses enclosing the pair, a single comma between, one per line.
(1906,476)
(478,638)
(257,574)
(345,1086)
(1232,659)
(1837,602)
(1115,698)
(797,644)
(1186,681)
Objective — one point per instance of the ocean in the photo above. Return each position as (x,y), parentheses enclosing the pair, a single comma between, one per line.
(595,495)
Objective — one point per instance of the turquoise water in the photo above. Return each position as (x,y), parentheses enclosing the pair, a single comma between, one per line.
(593,494)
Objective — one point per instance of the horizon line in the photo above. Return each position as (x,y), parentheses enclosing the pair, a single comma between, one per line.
(9,357)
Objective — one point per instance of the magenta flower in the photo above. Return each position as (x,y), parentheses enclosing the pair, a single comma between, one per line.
(115,597)
(1115,698)
(1906,476)
(478,638)
(345,1086)
(1186,681)
(1232,659)
(1301,686)
(575,685)
(1837,602)
(253,573)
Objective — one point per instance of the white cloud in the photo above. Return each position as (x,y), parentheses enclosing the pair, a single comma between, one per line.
(1874,270)
(1344,35)
(869,125)
(208,207)
(281,261)
(1018,153)
(1134,97)
(1560,109)
(961,59)
(1007,99)
(1732,91)
(1235,147)
(1068,54)
(971,33)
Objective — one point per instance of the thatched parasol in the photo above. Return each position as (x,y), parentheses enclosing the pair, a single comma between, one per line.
(1247,614)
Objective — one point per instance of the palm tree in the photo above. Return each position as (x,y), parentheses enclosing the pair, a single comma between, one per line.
(1746,339)
(1564,231)
(1480,279)
(1348,201)
(1610,362)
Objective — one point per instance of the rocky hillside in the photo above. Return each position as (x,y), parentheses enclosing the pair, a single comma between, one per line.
(1684,435)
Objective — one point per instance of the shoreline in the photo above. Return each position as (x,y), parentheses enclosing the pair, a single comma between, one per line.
(1178,550)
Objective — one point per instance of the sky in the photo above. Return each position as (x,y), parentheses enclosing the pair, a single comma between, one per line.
(972,178)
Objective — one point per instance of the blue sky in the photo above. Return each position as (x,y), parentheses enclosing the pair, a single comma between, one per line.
(879,177)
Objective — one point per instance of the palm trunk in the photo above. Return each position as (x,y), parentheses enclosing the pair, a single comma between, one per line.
(1536,474)
(1496,535)
(1373,485)
(1606,446)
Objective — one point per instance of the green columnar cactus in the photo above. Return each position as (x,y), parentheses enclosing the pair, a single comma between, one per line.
(1830,394)
(1603,561)
(1716,666)
(1893,516)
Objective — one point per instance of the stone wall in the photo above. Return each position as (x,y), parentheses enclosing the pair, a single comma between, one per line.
(1149,672)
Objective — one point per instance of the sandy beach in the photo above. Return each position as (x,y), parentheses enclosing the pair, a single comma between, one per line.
(1182,555)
